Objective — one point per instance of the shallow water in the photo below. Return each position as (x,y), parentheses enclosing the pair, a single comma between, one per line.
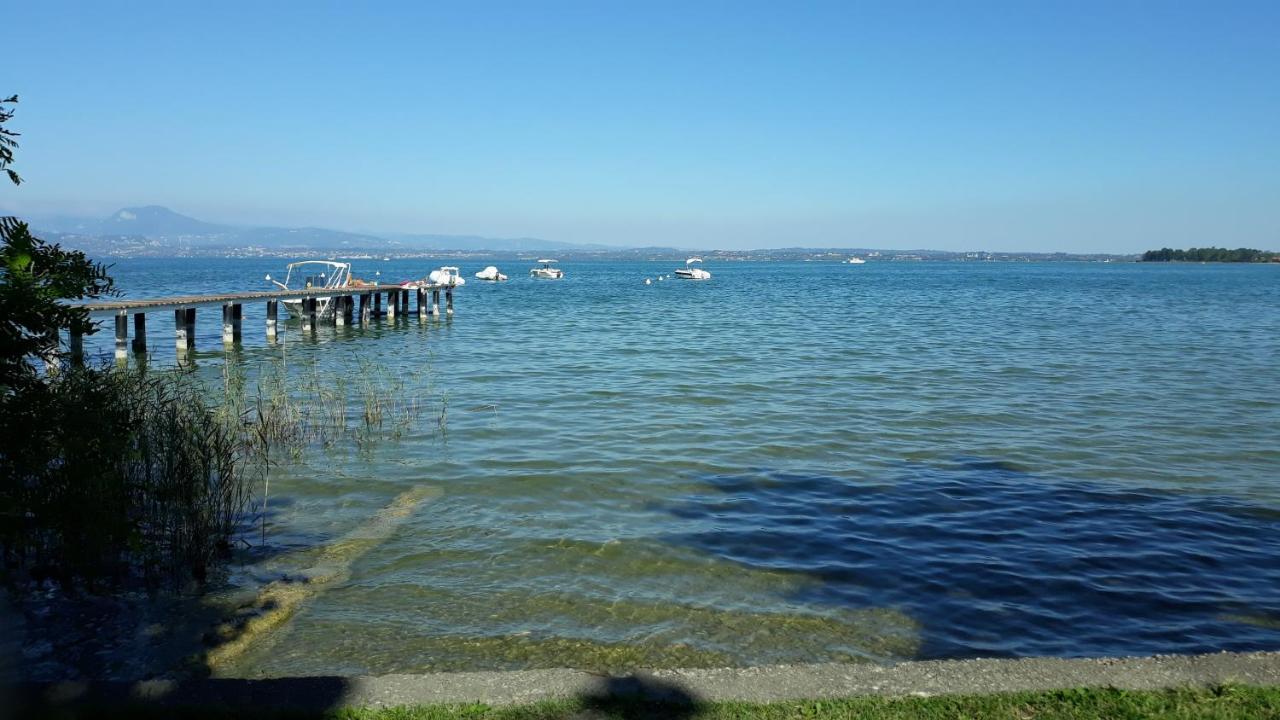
(789,463)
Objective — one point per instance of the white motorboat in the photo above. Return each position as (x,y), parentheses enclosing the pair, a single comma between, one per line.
(545,270)
(491,274)
(689,272)
(856,261)
(447,275)
(326,274)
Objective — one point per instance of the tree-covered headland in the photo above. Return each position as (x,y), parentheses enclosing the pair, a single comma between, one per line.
(1210,254)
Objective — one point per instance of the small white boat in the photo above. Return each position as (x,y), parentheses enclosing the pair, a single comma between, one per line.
(490,273)
(856,261)
(689,272)
(447,275)
(314,274)
(545,270)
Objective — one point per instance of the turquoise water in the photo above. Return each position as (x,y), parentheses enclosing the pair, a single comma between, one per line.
(789,463)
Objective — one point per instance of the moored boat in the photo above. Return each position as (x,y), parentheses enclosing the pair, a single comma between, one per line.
(491,274)
(446,275)
(545,270)
(328,274)
(689,272)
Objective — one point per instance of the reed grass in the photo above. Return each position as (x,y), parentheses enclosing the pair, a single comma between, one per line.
(110,476)
(107,476)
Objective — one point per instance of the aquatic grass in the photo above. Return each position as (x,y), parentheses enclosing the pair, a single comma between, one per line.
(299,409)
(109,475)
(113,475)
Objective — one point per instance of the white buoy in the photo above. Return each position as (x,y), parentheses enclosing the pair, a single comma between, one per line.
(647,281)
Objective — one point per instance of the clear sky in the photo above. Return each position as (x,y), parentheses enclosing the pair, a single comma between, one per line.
(1029,125)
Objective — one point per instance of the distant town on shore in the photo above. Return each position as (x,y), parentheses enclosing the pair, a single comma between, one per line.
(154,231)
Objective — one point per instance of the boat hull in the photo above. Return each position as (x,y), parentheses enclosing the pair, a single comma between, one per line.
(693,274)
(324,308)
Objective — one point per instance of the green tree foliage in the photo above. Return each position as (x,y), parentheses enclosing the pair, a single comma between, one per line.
(37,279)
(1209,254)
(7,142)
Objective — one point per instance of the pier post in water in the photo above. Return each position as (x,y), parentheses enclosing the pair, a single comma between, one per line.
(404,301)
(435,302)
(184,330)
(364,308)
(309,314)
(139,333)
(122,335)
(392,301)
(422,303)
(377,304)
(448,301)
(232,322)
(343,312)
(75,343)
(273,315)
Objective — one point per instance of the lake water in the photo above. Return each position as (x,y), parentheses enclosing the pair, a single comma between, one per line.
(790,463)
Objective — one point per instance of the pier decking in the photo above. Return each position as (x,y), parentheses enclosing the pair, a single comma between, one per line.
(347,306)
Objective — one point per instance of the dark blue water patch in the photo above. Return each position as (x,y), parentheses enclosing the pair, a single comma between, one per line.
(994,561)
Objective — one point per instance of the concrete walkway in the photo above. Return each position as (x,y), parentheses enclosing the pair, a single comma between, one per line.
(758,684)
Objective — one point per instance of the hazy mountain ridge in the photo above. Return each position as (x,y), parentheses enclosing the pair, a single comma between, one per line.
(155,231)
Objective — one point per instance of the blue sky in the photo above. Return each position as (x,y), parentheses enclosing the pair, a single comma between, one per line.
(1083,126)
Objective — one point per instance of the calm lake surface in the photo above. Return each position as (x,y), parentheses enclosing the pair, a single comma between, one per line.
(789,463)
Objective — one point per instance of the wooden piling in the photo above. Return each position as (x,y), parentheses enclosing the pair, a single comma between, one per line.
(343,313)
(448,301)
(184,329)
(392,301)
(140,333)
(377,304)
(232,321)
(122,335)
(309,314)
(435,303)
(364,308)
(75,344)
(404,301)
(273,314)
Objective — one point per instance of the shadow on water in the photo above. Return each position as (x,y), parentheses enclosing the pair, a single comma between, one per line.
(135,632)
(994,561)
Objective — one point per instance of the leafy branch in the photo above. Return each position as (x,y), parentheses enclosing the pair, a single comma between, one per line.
(7,142)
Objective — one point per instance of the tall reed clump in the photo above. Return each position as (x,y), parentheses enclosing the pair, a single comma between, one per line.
(107,477)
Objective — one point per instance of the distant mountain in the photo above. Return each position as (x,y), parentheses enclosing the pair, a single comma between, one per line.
(154,221)
(153,230)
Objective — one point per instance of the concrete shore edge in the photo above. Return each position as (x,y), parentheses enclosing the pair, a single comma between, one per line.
(752,684)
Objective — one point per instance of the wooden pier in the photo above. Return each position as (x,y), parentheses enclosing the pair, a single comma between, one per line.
(347,306)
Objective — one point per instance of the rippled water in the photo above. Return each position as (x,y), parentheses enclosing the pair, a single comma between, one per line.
(790,463)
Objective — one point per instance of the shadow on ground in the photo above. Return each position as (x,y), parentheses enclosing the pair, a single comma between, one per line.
(628,697)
